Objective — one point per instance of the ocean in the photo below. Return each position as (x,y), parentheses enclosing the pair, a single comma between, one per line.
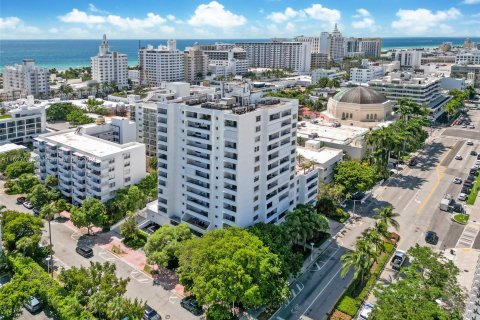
(63,54)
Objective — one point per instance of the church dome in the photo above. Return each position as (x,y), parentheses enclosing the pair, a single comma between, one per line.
(360,95)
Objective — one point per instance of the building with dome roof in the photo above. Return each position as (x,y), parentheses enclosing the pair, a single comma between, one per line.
(360,104)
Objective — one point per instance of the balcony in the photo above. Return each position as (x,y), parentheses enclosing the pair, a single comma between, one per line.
(198,154)
(231,155)
(230,187)
(228,217)
(198,164)
(196,222)
(198,135)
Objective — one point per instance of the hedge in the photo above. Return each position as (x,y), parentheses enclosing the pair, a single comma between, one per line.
(349,303)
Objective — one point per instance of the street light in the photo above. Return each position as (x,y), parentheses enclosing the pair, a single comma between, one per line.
(311,256)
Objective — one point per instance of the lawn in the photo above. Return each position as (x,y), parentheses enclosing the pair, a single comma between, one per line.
(473,194)
(5,116)
(461,218)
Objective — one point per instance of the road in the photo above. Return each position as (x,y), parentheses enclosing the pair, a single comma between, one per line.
(415,194)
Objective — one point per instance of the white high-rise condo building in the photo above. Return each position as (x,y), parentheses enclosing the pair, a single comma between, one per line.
(424,90)
(469,57)
(161,64)
(20,124)
(226,59)
(223,163)
(408,58)
(371,47)
(92,161)
(313,41)
(278,54)
(366,72)
(26,78)
(110,66)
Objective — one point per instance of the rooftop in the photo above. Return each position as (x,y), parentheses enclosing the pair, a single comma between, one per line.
(87,144)
(321,156)
(10,147)
(344,135)
(228,105)
(360,95)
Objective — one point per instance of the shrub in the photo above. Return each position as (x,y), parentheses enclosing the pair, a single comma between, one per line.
(348,305)
(338,315)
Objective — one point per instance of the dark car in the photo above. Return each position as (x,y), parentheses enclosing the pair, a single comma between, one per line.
(150,314)
(471,177)
(21,200)
(36,211)
(191,305)
(473,153)
(465,190)
(478,156)
(85,252)
(413,161)
(431,237)
(358,196)
(468,183)
(473,171)
(457,207)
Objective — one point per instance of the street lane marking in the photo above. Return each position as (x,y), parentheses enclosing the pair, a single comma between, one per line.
(75,236)
(139,276)
(173,298)
(102,253)
(321,292)
(440,175)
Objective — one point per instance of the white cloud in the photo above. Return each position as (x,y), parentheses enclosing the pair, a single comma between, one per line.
(318,12)
(214,14)
(366,20)
(171,17)
(93,8)
(16,27)
(53,30)
(77,16)
(289,13)
(421,20)
(471,1)
(152,20)
(290,28)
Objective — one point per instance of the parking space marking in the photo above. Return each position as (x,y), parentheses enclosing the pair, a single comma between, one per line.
(173,298)
(139,276)
(105,256)
(75,236)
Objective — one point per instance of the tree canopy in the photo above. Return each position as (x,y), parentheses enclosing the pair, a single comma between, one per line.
(231,266)
(428,289)
(355,176)
(16,169)
(91,213)
(41,195)
(12,156)
(163,245)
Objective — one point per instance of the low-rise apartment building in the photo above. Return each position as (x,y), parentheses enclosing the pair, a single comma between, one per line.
(91,161)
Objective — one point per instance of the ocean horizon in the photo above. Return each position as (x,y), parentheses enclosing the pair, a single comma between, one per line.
(69,53)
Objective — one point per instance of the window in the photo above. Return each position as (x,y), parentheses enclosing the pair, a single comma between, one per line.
(255,209)
(257,138)
(259,118)
(258,128)
(127,180)
(257,158)
(257,168)
(255,198)
(256,149)
(256,178)
(256,188)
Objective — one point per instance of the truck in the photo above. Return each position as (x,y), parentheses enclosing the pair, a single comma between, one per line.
(398,259)
(446,202)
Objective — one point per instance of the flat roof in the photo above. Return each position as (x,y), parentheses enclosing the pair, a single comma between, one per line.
(320,156)
(10,147)
(87,144)
(339,135)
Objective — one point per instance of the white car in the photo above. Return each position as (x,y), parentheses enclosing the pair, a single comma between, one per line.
(477,163)
(457,180)
(28,205)
(458,157)
(469,143)
(366,310)
(462,197)
(471,126)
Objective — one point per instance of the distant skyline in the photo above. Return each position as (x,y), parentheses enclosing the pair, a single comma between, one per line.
(160,19)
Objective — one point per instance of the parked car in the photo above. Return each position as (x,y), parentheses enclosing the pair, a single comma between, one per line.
(457,180)
(462,197)
(28,205)
(457,207)
(21,200)
(398,259)
(36,211)
(190,303)
(431,237)
(468,183)
(473,171)
(413,161)
(466,189)
(85,252)
(458,157)
(150,314)
(471,126)
(469,143)
(473,153)
(366,310)
(33,305)
(478,156)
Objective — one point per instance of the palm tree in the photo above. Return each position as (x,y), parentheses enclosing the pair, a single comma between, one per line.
(375,238)
(360,259)
(387,216)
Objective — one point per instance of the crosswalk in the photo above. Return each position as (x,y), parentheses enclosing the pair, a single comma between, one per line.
(468,236)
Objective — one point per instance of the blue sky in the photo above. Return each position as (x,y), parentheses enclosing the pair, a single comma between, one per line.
(159,19)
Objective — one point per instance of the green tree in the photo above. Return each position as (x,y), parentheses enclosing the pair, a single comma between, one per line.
(91,213)
(276,238)
(100,291)
(136,198)
(22,232)
(26,182)
(360,260)
(16,169)
(10,157)
(51,181)
(231,267)
(163,245)
(387,216)
(304,223)
(41,195)
(355,176)
(131,233)
(78,117)
(428,289)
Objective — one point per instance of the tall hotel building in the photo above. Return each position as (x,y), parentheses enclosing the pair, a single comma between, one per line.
(278,54)
(161,64)
(26,78)
(110,66)
(221,163)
